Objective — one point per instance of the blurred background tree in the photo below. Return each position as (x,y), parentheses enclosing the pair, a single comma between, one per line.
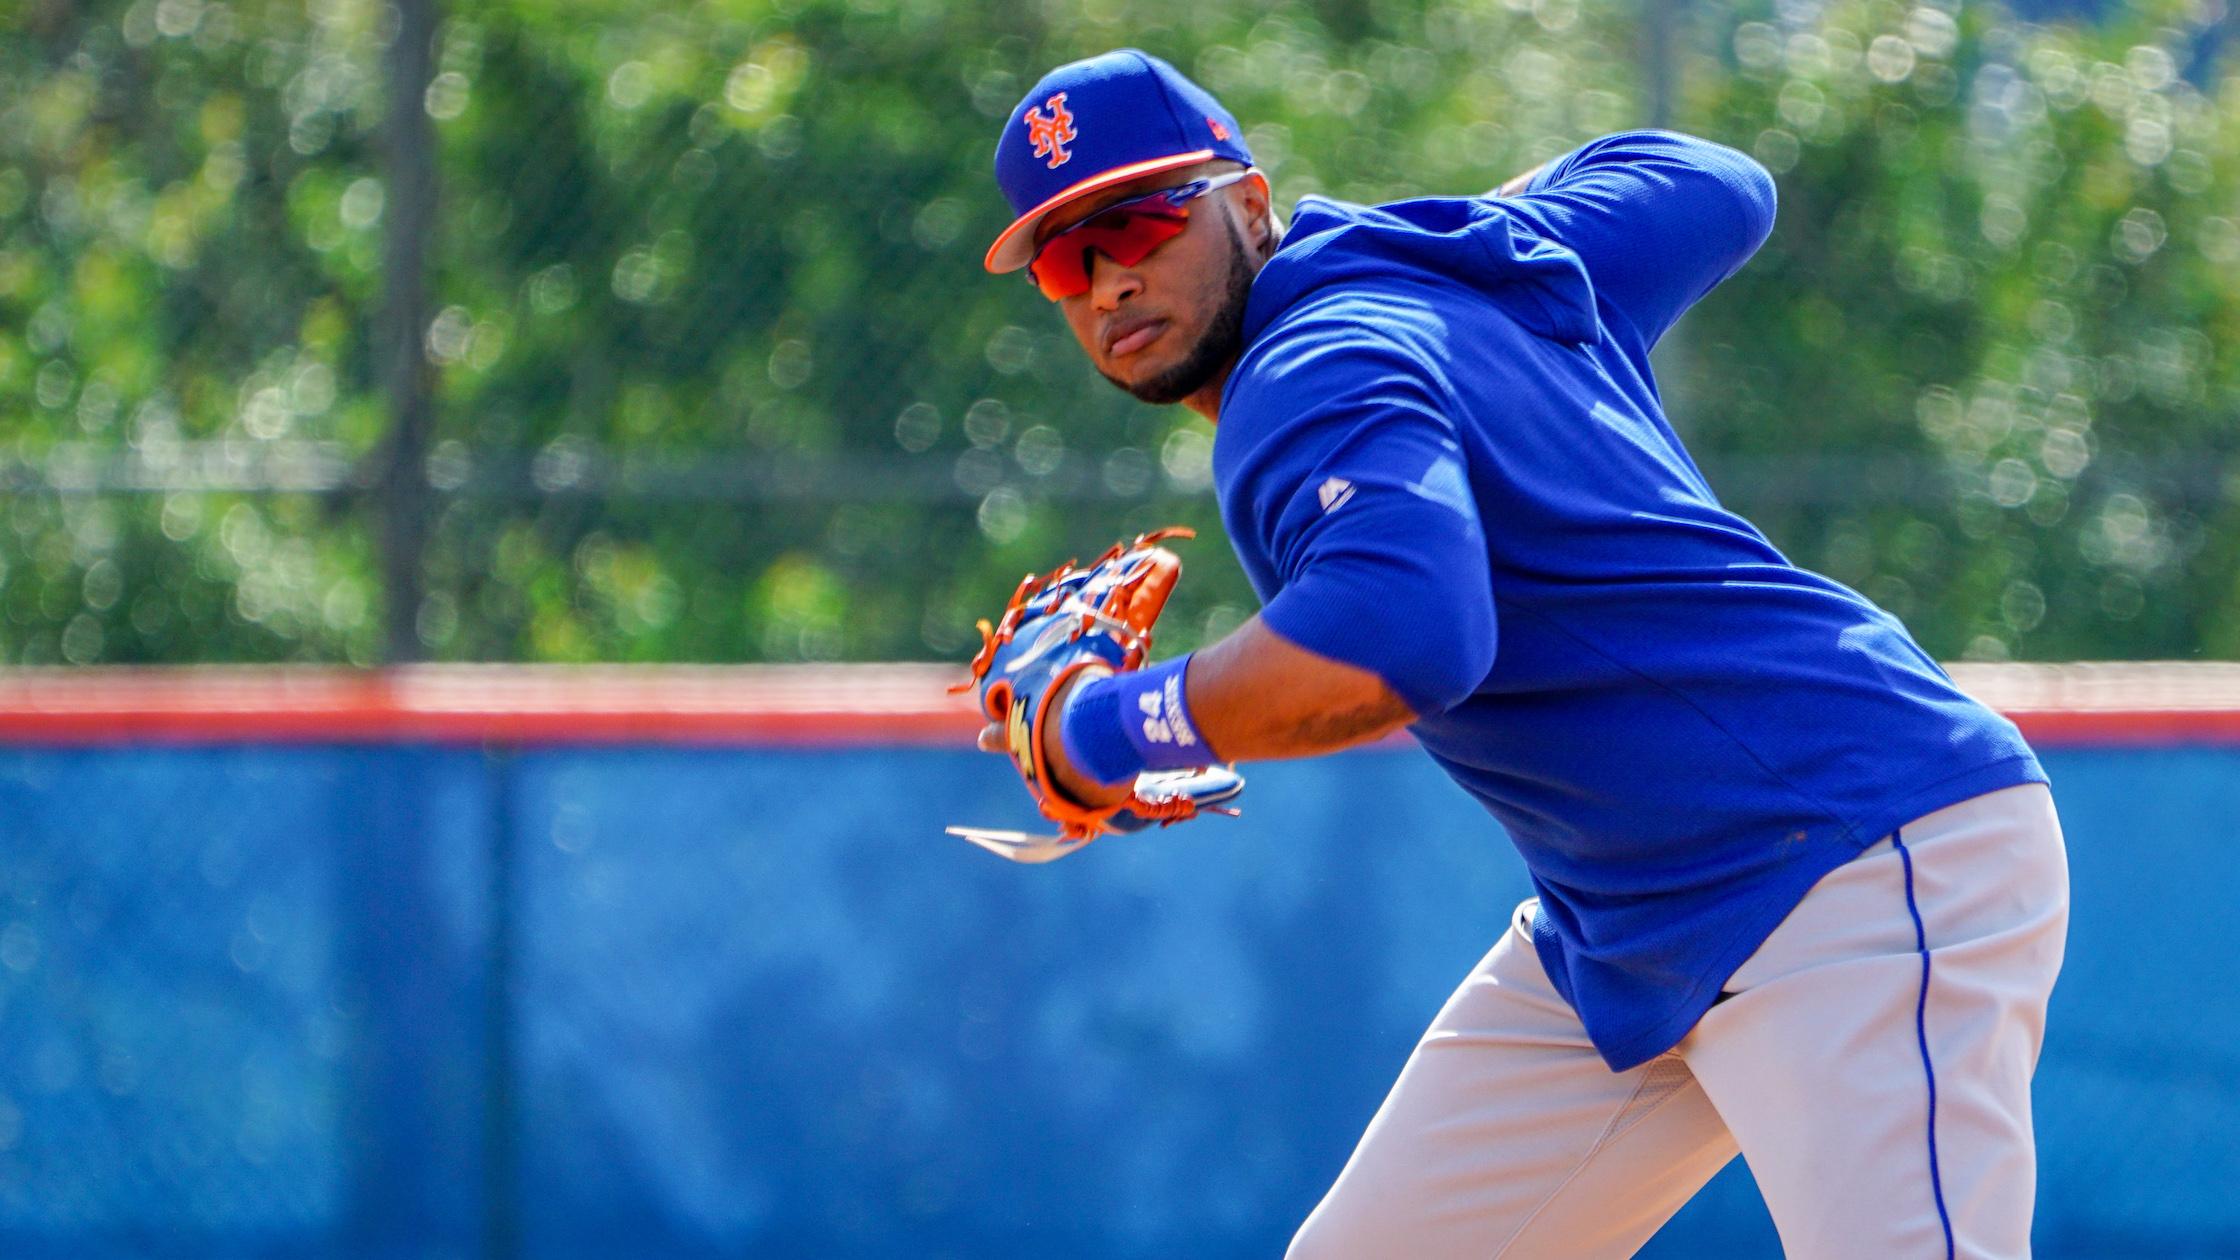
(717,375)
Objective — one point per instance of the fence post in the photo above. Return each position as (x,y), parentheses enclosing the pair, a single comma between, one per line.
(501,1222)
(1660,27)
(409,380)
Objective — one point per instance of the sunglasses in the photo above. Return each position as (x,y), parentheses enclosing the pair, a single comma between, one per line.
(1125,232)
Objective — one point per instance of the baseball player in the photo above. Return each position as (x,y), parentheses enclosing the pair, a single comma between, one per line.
(1798,896)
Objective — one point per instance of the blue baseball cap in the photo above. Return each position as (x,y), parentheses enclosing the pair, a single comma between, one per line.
(1091,124)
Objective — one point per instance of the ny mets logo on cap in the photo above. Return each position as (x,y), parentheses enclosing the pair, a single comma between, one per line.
(1093,124)
(1050,135)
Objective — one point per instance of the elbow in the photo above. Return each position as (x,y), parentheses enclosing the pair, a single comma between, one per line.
(1760,201)
(1448,667)
(1751,185)
(1741,177)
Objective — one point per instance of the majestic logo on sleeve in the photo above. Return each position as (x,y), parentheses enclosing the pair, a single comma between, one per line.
(1334,493)
(1052,133)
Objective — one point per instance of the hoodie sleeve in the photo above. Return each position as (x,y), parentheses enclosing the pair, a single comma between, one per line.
(1658,218)
(1352,485)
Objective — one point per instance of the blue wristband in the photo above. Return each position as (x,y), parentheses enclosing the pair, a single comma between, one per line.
(1115,728)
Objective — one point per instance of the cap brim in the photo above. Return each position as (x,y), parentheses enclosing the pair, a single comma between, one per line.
(1014,248)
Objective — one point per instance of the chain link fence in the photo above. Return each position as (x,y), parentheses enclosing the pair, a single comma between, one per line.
(356,331)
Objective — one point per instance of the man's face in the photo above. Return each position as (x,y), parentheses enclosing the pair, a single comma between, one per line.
(1165,327)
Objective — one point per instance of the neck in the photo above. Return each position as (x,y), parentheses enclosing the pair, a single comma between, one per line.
(1207,401)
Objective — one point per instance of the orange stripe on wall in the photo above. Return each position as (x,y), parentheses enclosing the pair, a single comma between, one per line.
(803,705)
(2150,704)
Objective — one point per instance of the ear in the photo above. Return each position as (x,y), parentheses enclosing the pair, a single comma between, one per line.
(1256,201)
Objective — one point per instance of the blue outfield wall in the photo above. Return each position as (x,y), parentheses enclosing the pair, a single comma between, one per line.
(442,1001)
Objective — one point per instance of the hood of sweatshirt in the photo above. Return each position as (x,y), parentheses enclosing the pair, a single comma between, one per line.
(1470,240)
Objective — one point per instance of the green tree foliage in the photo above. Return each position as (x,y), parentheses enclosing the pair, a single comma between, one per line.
(1977,371)
(720,377)
(187,259)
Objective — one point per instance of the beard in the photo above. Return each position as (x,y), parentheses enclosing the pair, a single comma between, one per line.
(1221,343)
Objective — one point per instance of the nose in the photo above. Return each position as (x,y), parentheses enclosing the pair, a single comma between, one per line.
(1110,284)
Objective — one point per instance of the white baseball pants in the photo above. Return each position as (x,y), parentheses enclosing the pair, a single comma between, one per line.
(1872,1064)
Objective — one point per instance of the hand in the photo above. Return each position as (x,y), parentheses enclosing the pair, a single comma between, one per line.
(1057,627)
(1516,184)
(1077,786)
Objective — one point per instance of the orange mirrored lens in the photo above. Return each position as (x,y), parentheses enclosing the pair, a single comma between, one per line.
(1061,266)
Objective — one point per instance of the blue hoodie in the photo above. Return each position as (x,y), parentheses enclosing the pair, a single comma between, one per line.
(1442,458)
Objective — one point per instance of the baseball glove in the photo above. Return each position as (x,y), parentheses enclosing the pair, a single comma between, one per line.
(1057,625)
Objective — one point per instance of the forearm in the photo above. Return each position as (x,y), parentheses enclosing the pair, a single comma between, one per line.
(1256,696)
